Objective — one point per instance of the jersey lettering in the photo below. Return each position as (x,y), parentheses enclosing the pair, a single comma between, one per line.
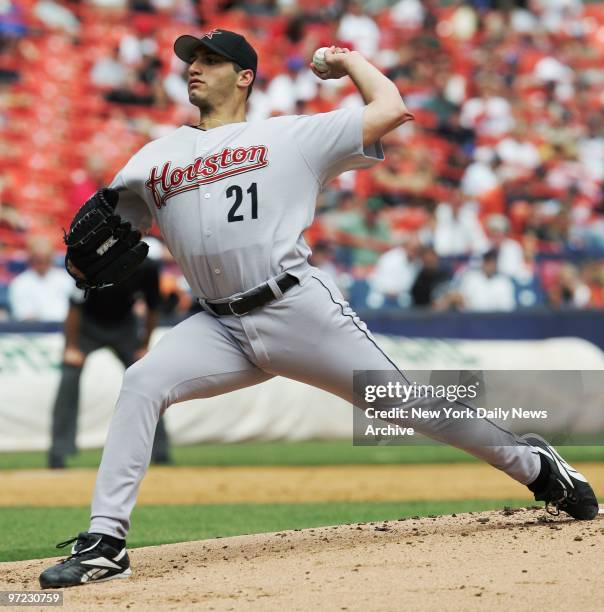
(237,191)
(167,181)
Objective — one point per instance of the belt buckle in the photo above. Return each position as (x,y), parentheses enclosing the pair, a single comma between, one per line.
(231,307)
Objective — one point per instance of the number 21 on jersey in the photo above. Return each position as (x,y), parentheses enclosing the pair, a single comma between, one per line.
(236,192)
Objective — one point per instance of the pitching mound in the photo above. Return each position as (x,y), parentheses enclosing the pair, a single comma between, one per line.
(521,559)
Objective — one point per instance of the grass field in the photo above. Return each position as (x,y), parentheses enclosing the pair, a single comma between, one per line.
(34,531)
(29,532)
(293,453)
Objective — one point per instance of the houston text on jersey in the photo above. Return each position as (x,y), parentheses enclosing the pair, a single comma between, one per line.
(169,181)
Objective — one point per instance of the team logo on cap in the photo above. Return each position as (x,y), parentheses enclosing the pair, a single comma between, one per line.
(210,34)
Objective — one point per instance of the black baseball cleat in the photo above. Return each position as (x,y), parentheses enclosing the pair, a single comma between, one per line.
(92,560)
(559,485)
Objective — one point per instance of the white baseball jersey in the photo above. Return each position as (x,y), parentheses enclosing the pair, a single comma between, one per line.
(232,202)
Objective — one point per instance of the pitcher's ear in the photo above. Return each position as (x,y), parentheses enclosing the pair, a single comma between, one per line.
(247,77)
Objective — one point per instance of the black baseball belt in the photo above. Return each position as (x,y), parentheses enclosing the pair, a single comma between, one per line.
(250,300)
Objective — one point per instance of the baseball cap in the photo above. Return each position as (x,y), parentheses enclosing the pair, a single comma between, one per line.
(231,45)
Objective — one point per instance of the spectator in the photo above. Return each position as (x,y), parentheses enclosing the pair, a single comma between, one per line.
(529,288)
(558,15)
(523,21)
(592,275)
(549,221)
(109,72)
(479,178)
(149,70)
(134,47)
(510,259)
(365,233)
(464,21)
(408,14)
(359,30)
(404,174)
(175,86)
(323,258)
(442,99)
(519,156)
(566,174)
(132,91)
(591,148)
(569,290)
(41,293)
(506,93)
(550,69)
(259,105)
(394,275)
(484,289)
(431,281)
(298,83)
(489,113)
(457,228)
(452,131)
(56,16)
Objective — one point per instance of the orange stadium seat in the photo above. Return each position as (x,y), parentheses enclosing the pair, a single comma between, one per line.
(61,117)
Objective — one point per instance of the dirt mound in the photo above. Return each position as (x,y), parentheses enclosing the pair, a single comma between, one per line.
(521,559)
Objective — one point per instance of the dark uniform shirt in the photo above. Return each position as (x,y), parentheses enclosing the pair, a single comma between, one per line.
(114,304)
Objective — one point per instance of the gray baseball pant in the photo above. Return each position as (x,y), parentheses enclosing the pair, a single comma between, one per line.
(122,338)
(311,335)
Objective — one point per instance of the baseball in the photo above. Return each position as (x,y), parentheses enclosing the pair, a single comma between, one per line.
(318,60)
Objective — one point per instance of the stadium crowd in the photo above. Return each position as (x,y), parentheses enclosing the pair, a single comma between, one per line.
(492,199)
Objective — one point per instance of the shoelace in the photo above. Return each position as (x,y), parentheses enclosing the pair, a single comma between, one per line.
(64,544)
(67,542)
(71,541)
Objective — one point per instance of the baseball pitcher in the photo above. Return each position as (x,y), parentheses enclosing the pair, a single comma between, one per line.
(232,199)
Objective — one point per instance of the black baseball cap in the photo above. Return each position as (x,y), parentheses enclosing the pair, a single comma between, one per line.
(231,45)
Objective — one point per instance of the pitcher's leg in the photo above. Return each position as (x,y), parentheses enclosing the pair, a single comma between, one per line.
(125,343)
(331,342)
(196,359)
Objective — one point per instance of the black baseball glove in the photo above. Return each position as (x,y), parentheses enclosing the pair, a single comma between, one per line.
(102,250)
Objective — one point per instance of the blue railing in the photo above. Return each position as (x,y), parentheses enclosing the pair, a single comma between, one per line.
(535,324)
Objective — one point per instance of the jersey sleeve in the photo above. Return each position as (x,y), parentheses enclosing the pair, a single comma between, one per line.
(131,207)
(332,143)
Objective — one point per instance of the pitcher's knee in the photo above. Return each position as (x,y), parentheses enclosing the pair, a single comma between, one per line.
(143,380)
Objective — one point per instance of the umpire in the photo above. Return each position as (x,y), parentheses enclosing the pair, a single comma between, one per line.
(104,318)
